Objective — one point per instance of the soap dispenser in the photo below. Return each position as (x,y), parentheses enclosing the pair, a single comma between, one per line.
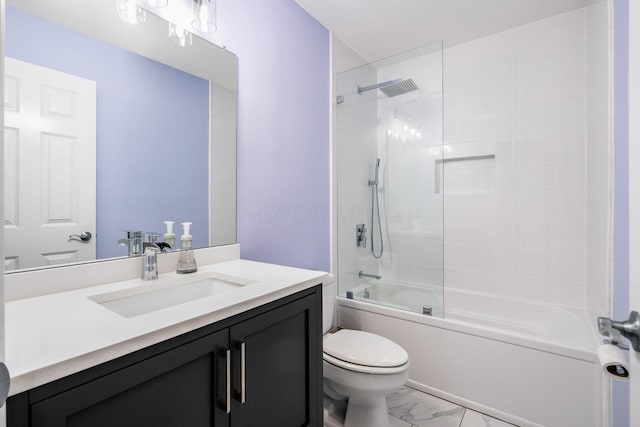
(186,259)
(169,236)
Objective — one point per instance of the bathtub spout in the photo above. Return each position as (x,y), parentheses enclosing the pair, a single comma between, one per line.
(362,274)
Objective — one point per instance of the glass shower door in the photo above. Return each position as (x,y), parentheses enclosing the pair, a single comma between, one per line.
(389,182)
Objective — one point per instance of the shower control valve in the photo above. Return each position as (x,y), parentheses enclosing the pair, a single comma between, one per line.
(361,236)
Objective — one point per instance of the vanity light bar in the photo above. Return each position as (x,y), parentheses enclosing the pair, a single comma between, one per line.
(201,14)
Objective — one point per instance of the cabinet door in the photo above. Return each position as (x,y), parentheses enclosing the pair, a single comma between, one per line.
(277,371)
(184,386)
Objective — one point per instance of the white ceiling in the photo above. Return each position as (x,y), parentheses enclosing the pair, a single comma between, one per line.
(380,28)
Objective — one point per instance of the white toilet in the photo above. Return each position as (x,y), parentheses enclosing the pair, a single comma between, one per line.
(360,367)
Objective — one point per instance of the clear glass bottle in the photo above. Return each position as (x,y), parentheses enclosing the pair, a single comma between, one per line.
(186,258)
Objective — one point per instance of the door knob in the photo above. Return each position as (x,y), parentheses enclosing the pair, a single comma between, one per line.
(630,329)
(85,236)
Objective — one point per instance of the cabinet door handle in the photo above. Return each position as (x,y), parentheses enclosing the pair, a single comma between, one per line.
(228,381)
(243,393)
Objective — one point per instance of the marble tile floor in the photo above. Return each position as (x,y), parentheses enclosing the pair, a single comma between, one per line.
(412,408)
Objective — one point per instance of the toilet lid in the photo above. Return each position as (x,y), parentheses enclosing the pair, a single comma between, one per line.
(364,348)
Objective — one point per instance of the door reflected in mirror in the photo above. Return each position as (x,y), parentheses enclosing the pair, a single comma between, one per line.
(111,129)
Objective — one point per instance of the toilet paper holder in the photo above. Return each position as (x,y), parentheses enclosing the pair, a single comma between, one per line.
(630,329)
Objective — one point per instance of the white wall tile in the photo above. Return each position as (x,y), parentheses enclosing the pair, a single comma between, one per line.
(598,161)
(550,167)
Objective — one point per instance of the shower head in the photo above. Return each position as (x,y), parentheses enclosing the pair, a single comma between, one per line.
(400,88)
(392,88)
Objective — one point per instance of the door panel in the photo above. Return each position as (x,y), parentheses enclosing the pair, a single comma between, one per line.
(173,389)
(280,352)
(50,166)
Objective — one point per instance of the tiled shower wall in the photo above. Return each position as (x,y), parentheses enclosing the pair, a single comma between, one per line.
(536,228)
(527,190)
(599,161)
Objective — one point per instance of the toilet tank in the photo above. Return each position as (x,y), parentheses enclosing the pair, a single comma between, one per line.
(329,293)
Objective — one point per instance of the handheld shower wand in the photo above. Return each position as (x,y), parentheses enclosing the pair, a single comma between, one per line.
(377,169)
(374,182)
(375,201)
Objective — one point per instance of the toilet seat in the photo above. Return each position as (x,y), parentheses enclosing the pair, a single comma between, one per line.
(364,352)
(362,368)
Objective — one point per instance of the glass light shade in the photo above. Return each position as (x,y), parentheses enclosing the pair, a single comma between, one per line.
(130,12)
(158,3)
(179,36)
(204,15)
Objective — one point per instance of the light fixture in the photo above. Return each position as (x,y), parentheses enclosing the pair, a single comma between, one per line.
(158,3)
(179,36)
(181,14)
(204,15)
(130,12)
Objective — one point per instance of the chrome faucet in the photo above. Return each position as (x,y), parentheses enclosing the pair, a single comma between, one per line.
(150,263)
(133,242)
(136,245)
(152,242)
(362,274)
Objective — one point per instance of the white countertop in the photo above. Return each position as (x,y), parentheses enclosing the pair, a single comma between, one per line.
(52,336)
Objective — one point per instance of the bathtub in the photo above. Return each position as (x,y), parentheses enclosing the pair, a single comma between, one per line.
(525,363)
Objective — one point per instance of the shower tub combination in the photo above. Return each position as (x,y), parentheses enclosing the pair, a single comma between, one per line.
(528,364)
(525,362)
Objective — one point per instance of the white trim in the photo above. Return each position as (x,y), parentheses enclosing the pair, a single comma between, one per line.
(333,215)
(606,385)
(610,135)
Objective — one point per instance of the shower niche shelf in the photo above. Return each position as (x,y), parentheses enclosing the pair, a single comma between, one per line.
(465,174)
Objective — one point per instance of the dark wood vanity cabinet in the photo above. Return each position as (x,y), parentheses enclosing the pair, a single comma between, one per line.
(259,368)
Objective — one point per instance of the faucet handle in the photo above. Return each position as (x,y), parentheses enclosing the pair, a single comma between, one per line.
(152,237)
(132,234)
(133,241)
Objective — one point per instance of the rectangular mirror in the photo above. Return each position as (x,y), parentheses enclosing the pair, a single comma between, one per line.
(112,128)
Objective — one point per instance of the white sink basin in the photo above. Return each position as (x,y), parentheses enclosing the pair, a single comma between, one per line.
(166,293)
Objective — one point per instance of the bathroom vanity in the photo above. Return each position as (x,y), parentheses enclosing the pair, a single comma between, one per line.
(245,356)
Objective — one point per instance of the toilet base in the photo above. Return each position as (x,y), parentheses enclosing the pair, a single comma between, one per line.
(367,412)
(365,394)
(334,412)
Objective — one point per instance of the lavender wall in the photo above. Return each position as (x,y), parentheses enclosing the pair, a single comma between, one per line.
(621,399)
(152,130)
(283,130)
